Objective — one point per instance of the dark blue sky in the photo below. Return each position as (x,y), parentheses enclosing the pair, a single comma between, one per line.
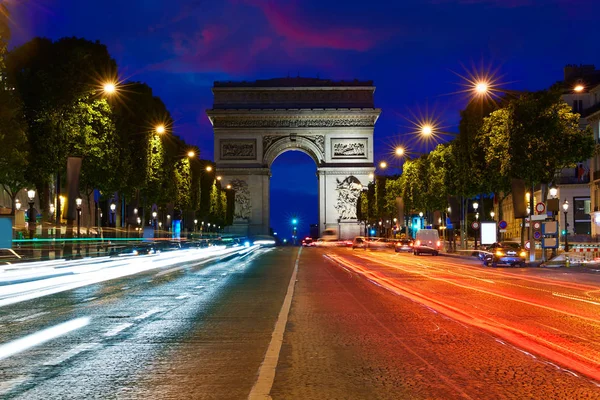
(412,49)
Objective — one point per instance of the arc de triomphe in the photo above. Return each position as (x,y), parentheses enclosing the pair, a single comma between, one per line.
(332,122)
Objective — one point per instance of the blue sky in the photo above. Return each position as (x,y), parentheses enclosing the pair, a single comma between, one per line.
(413,50)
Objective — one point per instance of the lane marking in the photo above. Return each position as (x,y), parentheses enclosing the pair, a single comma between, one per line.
(32,316)
(183,296)
(72,353)
(117,329)
(266,373)
(148,313)
(89,299)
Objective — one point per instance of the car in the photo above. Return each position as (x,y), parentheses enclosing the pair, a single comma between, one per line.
(505,253)
(404,245)
(308,242)
(427,241)
(359,242)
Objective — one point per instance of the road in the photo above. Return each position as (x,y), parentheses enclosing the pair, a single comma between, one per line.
(361,325)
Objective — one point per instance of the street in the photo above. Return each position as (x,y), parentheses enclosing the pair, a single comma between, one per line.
(362,325)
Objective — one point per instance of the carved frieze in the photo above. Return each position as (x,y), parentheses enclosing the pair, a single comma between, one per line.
(349,148)
(234,149)
(318,140)
(339,98)
(243,206)
(282,122)
(348,194)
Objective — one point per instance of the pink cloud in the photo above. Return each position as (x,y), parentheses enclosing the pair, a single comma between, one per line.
(287,22)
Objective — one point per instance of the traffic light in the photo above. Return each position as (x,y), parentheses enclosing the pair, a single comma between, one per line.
(294,221)
(563,232)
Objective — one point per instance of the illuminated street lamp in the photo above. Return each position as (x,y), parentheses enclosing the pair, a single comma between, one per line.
(383,165)
(475,207)
(208,168)
(565,207)
(191,154)
(481,88)
(228,186)
(553,192)
(578,88)
(427,130)
(113,208)
(17,204)
(195,225)
(160,129)
(219,178)
(78,202)
(31,216)
(399,151)
(109,88)
(492,214)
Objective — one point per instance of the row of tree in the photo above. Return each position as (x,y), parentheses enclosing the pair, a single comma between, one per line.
(52,106)
(526,136)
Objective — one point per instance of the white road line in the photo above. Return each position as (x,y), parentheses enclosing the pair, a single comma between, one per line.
(32,316)
(183,296)
(117,329)
(7,386)
(89,299)
(72,353)
(266,373)
(148,313)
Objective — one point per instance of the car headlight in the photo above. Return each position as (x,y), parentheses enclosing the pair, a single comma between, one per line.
(523,254)
(499,253)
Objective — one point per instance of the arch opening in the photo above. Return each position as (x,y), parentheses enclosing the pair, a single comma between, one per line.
(294,194)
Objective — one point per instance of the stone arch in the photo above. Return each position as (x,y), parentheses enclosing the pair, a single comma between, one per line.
(302,144)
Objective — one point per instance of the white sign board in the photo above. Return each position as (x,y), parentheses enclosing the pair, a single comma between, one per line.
(488,233)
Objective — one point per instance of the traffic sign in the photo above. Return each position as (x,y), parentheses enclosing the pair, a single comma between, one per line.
(537,225)
(540,207)
(537,235)
(502,224)
(528,245)
(475,225)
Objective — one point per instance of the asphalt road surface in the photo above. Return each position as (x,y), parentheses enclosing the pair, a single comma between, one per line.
(361,325)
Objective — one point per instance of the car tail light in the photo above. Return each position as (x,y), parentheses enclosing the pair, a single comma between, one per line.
(348,242)
(438,244)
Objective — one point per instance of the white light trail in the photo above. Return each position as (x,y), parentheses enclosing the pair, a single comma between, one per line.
(35,339)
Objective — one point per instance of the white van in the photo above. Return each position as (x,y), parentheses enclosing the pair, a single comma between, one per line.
(427,241)
(330,235)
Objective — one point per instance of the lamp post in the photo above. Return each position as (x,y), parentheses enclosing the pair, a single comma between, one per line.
(421,219)
(565,207)
(294,229)
(139,222)
(154,214)
(195,225)
(113,217)
(78,202)
(492,214)
(31,222)
(475,207)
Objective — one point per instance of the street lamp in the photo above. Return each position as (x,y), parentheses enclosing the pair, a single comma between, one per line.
(399,151)
(475,207)
(565,207)
(208,168)
(191,154)
(195,225)
(383,165)
(18,204)
(426,130)
(160,129)
(78,202)
(154,215)
(113,208)
(492,214)
(553,191)
(31,222)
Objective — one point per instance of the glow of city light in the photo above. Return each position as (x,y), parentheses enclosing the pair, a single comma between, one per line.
(109,88)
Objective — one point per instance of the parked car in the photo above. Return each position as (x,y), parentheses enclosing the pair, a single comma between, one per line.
(505,253)
(404,245)
(427,241)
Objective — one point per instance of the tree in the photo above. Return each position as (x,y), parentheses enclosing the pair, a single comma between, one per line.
(13,129)
(441,176)
(52,78)
(393,190)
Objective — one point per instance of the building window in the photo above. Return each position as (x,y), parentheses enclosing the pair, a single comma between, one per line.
(578,106)
(581,215)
